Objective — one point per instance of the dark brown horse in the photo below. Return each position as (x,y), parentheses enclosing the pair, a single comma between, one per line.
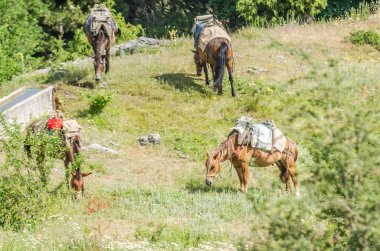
(101,44)
(72,146)
(218,54)
(240,157)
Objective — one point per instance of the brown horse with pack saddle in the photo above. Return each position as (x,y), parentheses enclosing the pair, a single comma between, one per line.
(263,144)
(213,46)
(69,132)
(100,29)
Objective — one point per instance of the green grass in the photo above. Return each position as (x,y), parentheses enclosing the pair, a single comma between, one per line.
(154,196)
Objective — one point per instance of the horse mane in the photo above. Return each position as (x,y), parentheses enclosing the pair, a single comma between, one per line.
(226,150)
(78,174)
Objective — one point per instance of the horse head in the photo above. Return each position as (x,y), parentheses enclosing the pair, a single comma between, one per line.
(212,167)
(77,181)
(198,62)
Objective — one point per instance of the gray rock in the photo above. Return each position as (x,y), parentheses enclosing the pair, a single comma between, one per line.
(152,41)
(143,140)
(133,45)
(256,70)
(101,148)
(154,139)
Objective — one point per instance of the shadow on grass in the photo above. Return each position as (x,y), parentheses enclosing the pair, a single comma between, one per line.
(84,113)
(58,189)
(71,76)
(87,113)
(194,186)
(181,81)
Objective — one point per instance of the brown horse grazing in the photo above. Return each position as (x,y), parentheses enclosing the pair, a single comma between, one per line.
(240,157)
(72,145)
(101,44)
(77,181)
(219,55)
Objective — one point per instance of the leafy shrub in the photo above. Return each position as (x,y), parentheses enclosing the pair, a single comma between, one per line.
(268,11)
(20,38)
(23,201)
(98,101)
(127,31)
(79,46)
(346,163)
(23,181)
(365,37)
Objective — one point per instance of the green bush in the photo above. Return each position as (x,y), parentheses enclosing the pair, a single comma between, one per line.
(98,101)
(23,202)
(365,37)
(275,11)
(342,8)
(23,182)
(20,37)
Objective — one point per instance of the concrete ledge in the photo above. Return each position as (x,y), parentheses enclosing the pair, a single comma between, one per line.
(32,107)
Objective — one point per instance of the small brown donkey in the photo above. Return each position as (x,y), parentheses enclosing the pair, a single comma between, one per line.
(240,156)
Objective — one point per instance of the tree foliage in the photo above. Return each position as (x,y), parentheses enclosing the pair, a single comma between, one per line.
(35,33)
(272,11)
(21,38)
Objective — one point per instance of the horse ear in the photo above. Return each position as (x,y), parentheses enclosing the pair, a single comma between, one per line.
(194,51)
(73,174)
(85,174)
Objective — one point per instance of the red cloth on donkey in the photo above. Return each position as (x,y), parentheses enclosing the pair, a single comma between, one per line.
(55,123)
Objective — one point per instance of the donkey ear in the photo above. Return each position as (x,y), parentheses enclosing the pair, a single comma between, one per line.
(85,174)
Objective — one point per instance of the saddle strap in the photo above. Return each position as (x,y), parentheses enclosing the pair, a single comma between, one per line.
(242,137)
(287,149)
(272,149)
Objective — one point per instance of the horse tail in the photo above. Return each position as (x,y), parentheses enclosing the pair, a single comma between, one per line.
(221,60)
(78,174)
(100,37)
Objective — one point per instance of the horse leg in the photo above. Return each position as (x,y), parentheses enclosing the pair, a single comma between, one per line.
(206,73)
(245,175)
(69,158)
(230,75)
(239,171)
(82,191)
(284,176)
(108,62)
(293,175)
(212,71)
(67,171)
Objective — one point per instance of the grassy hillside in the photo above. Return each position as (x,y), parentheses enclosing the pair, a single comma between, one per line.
(308,79)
